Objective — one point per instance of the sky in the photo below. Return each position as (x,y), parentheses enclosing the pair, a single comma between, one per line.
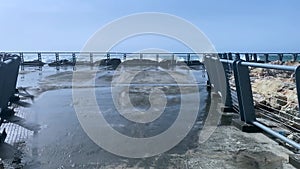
(230,25)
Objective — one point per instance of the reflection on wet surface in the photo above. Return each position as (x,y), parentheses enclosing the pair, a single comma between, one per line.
(62,142)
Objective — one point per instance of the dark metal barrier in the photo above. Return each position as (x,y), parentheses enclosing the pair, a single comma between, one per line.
(242,85)
(8,79)
(9,69)
(218,78)
(246,98)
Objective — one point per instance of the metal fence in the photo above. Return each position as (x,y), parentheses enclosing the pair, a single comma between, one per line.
(37,58)
(234,69)
(238,94)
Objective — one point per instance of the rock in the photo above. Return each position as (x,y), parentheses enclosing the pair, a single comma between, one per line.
(195,62)
(267,87)
(290,109)
(260,72)
(166,63)
(34,63)
(281,99)
(276,62)
(256,72)
(259,100)
(275,90)
(102,62)
(63,62)
(113,63)
(273,104)
(140,62)
(291,63)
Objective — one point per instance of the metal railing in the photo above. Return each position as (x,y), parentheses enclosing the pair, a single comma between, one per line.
(261,57)
(234,68)
(238,93)
(92,57)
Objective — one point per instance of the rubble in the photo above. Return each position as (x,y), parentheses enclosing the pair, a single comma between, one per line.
(275,89)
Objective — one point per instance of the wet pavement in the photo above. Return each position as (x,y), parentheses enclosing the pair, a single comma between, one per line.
(62,143)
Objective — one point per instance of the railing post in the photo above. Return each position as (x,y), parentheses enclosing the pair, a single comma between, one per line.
(229,56)
(57,57)
(124,56)
(295,55)
(297,77)
(211,64)
(225,56)
(247,57)
(22,57)
(39,57)
(74,58)
(220,55)
(245,96)
(254,57)
(157,57)
(173,59)
(228,101)
(280,55)
(207,63)
(238,91)
(141,56)
(266,58)
(218,85)
(218,73)
(237,56)
(188,59)
(91,58)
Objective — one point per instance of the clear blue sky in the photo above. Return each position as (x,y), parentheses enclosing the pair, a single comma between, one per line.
(231,25)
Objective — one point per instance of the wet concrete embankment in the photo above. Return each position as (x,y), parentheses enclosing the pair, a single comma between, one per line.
(62,143)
